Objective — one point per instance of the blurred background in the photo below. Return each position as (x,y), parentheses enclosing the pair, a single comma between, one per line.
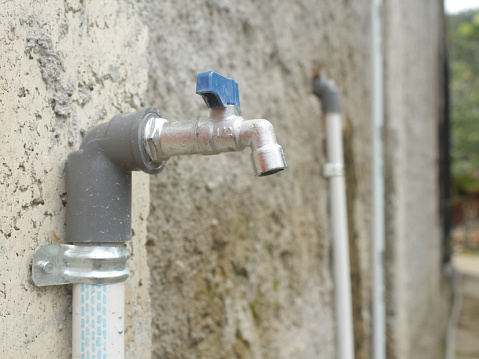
(462,23)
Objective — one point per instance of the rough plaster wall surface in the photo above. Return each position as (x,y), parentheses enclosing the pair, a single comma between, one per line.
(240,265)
(65,66)
(417,304)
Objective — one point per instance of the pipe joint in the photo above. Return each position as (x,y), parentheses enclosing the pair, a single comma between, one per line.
(328,94)
(99,178)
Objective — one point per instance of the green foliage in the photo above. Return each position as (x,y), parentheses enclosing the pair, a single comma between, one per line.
(463,44)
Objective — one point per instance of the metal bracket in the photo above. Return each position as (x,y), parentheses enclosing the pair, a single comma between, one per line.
(66,264)
(333,170)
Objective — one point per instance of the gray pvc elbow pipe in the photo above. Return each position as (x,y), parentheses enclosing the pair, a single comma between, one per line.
(223,131)
(99,179)
(327,93)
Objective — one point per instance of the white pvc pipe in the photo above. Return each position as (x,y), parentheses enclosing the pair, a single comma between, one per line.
(98,321)
(379,306)
(339,229)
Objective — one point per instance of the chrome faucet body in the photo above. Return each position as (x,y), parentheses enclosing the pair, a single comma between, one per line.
(224,131)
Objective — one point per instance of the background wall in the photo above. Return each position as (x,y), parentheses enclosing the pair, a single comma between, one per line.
(417,293)
(240,266)
(223,264)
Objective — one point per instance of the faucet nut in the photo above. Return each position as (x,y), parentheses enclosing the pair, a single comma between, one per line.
(152,138)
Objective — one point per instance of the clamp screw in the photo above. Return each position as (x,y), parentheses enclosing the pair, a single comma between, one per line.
(47,267)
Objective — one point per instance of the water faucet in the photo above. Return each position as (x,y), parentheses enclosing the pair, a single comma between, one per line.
(99,184)
(224,131)
(99,173)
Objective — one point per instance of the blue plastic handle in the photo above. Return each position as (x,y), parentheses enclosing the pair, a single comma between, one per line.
(217,91)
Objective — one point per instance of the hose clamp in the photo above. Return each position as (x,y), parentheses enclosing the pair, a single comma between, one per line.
(58,264)
(333,170)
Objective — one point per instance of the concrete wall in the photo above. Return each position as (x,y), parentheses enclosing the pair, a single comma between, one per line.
(65,67)
(417,292)
(240,266)
(224,265)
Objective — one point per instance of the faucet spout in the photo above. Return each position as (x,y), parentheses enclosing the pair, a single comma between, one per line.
(223,131)
(267,155)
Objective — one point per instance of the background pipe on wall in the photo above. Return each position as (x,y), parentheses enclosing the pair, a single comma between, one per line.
(379,305)
(328,93)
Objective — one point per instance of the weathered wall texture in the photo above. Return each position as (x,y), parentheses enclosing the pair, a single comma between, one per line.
(234,266)
(240,265)
(417,300)
(64,67)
